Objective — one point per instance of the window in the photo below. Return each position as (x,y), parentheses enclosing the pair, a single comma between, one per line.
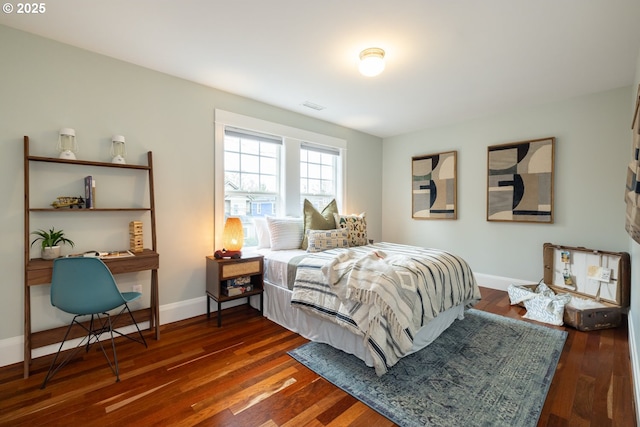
(267,169)
(318,174)
(251,177)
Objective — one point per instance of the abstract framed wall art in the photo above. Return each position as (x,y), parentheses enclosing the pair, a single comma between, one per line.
(434,186)
(632,190)
(520,181)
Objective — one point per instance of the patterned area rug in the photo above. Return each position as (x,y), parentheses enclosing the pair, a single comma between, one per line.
(485,370)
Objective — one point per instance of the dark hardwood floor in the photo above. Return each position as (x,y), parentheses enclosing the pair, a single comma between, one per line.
(241,375)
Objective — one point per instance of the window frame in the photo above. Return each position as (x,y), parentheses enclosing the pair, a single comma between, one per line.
(292,140)
(335,170)
(269,148)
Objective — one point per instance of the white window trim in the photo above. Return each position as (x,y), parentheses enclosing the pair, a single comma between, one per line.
(292,138)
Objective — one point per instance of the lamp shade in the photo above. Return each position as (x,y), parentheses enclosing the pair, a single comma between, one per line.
(118,149)
(233,234)
(67,144)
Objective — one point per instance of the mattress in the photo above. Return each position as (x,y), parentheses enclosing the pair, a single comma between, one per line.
(276,265)
(278,308)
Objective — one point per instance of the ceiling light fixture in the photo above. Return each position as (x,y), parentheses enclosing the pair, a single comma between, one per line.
(371,61)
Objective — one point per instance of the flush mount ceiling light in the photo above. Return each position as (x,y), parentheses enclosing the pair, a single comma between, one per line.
(371,61)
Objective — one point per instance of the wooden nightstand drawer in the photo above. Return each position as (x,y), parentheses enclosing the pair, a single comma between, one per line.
(240,269)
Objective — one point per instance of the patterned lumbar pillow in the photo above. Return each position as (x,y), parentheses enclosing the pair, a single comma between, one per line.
(321,240)
(314,220)
(356,225)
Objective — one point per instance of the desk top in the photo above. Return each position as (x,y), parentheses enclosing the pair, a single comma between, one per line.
(39,270)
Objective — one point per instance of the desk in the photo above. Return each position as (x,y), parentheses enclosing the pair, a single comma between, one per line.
(38,272)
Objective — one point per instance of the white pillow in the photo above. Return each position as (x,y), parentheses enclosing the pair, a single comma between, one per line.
(262,232)
(286,233)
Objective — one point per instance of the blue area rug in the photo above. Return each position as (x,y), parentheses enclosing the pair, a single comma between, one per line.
(485,370)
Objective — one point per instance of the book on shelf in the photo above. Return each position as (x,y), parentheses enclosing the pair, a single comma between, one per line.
(89,191)
(238,286)
(238,281)
(116,254)
(103,255)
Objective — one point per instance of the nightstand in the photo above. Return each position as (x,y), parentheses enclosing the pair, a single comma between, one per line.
(231,279)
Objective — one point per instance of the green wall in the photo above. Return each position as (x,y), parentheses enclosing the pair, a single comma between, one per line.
(592,148)
(46,86)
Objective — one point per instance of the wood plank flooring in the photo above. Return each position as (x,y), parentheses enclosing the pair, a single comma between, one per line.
(241,375)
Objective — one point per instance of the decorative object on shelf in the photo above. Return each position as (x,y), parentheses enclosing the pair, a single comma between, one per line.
(118,149)
(371,62)
(232,239)
(50,242)
(135,236)
(67,145)
(238,286)
(434,186)
(90,192)
(68,202)
(520,181)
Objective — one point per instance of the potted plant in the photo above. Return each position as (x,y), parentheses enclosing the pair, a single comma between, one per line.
(50,242)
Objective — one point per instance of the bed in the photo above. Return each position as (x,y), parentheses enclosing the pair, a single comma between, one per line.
(340,297)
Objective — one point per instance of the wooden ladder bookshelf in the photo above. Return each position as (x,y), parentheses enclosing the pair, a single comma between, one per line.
(38,271)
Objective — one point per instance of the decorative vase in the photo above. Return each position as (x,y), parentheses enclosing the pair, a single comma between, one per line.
(51,252)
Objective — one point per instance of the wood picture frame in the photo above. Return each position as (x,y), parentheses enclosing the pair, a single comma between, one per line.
(520,181)
(632,186)
(434,186)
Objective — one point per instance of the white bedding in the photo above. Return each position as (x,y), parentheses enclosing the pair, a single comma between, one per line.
(276,265)
(278,308)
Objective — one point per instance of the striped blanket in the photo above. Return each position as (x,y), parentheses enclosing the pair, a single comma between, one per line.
(384,292)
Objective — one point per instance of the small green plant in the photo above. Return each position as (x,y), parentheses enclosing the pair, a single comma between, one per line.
(51,238)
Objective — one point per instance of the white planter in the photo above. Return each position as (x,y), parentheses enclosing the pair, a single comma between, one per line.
(51,252)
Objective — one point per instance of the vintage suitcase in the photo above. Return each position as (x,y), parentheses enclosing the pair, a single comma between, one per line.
(598,281)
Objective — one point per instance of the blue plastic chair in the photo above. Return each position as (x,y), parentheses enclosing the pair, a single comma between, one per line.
(85,286)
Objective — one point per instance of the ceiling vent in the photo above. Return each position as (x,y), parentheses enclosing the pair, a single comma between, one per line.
(313,106)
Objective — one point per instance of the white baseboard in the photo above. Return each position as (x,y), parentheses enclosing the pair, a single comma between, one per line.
(498,282)
(12,350)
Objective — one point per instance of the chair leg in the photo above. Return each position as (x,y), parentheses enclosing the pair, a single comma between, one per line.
(141,340)
(91,329)
(104,327)
(53,371)
(136,324)
(113,346)
(92,333)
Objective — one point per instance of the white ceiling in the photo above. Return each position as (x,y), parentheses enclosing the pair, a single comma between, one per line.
(446,60)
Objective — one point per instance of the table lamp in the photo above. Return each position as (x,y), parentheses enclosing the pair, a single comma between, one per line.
(232,239)
(118,150)
(67,145)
